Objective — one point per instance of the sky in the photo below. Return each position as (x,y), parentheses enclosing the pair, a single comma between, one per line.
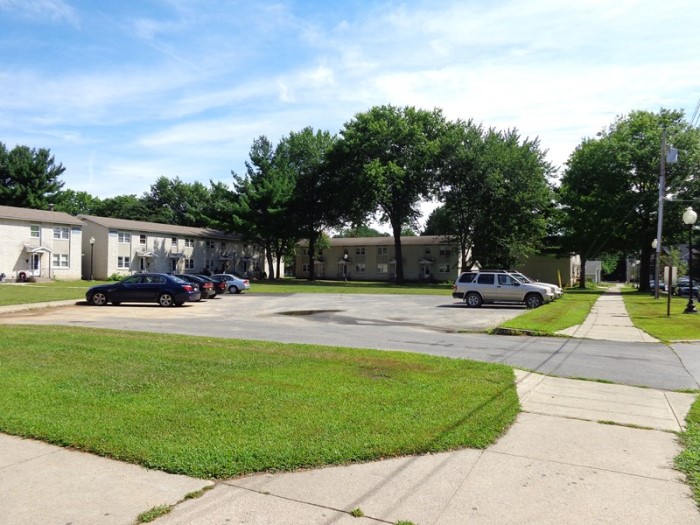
(125,91)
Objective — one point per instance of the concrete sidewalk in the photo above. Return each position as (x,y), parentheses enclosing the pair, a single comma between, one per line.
(580,452)
(608,320)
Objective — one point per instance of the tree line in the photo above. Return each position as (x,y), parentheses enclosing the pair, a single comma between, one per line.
(500,199)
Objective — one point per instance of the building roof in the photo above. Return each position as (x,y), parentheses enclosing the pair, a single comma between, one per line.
(386,241)
(156,227)
(43,216)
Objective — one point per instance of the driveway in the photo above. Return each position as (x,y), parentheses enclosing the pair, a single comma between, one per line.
(436,325)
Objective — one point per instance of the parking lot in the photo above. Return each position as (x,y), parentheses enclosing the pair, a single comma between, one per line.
(272,316)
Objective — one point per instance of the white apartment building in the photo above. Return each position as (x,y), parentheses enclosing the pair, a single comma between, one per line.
(122,247)
(38,244)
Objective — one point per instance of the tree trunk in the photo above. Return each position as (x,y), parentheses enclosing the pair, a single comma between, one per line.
(582,277)
(399,255)
(312,251)
(270,263)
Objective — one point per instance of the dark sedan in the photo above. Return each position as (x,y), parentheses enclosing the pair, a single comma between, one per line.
(164,289)
(206,285)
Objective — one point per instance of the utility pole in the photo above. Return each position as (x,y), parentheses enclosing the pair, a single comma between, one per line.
(660,222)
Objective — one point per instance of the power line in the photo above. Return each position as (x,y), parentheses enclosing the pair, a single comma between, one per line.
(696,115)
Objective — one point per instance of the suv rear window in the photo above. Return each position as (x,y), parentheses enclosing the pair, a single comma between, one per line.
(466,277)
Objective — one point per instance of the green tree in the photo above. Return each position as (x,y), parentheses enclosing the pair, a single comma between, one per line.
(495,189)
(610,188)
(177,202)
(440,222)
(124,207)
(76,202)
(321,199)
(29,178)
(392,156)
(261,210)
(360,231)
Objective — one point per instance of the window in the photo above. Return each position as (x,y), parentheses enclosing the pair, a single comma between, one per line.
(189,243)
(444,268)
(382,250)
(60,260)
(505,280)
(223,245)
(466,277)
(210,264)
(124,237)
(142,239)
(382,268)
(360,268)
(360,250)
(189,264)
(304,252)
(211,244)
(428,250)
(485,278)
(173,242)
(61,232)
(122,262)
(34,231)
(305,268)
(445,251)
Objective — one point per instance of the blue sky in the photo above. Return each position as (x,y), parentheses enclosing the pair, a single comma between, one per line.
(126,91)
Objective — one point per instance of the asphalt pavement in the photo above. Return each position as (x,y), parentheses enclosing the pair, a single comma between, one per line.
(580,451)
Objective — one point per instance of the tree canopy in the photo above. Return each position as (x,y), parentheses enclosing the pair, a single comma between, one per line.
(392,154)
(610,188)
(29,178)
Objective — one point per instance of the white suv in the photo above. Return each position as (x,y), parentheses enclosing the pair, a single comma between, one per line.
(498,286)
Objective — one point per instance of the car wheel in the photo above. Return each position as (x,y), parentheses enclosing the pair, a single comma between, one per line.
(473,300)
(99,299)
(533,300)
(166,300)
(233,289)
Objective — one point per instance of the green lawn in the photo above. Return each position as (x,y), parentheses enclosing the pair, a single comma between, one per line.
(649,314)
(215,408)
(688,461)
(570,310)
(30,293)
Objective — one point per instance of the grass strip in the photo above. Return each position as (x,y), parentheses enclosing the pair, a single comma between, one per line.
(215,408)
(688,461)
(649,314)
(571,309)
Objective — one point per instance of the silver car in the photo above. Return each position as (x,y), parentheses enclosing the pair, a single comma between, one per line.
(499,286)
(234,283)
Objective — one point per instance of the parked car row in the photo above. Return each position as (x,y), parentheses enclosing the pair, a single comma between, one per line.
(503,286)
(165,289)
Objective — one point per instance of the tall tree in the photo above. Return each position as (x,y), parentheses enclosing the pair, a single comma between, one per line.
(29,178)
(321,198)
(260,212)
(610,188)
(440,222)
(515,199)
(495,189)
(393,155)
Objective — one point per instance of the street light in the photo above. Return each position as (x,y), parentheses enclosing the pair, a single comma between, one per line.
(654,245)
(689,218)
(345,266)
(92,255)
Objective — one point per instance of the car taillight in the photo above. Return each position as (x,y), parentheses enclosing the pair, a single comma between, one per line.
(187,287)
(245,281)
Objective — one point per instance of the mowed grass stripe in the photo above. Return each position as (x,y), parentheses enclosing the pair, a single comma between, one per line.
(216,408)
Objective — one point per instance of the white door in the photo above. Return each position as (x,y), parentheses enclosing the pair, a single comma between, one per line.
(36,264)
